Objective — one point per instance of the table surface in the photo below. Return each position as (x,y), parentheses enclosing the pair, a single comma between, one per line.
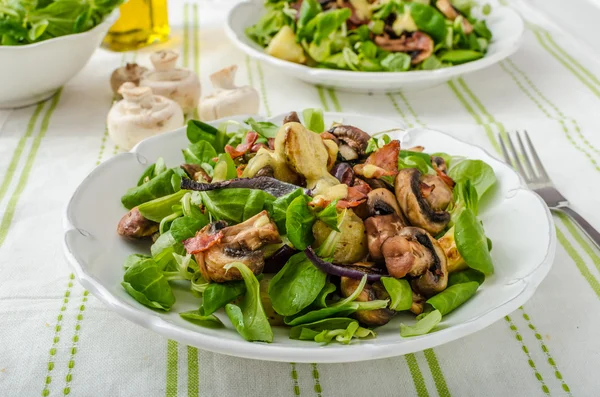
(59,340)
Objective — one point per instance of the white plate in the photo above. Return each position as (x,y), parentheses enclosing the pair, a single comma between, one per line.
(515,218)
(505,24)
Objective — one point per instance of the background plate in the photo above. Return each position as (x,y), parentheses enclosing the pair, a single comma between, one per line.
(506,25)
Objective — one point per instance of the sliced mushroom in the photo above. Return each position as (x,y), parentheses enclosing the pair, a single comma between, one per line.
(415,207)
(416,44)
(413,252)
(410,252)
(450,12)
(369,293)
(196,173)
(440,196)
(383,202)
(134,225)
(353,140)
(379,229)
(219,246)
(131,72)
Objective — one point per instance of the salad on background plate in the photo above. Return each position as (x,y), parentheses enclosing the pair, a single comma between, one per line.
(325,230)
(374,35)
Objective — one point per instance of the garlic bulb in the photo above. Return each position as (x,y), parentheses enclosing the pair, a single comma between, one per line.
(227,99)
(178,84)
(140,115)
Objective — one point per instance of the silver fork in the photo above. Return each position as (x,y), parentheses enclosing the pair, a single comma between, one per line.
(530,167)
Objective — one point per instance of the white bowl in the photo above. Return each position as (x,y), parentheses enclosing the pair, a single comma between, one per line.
(515,219)
(506,25)
(34,72)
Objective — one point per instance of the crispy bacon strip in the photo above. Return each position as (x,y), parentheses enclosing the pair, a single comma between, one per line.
(356,196)
(443,176)
(202,241)
(382,162)
(240,170)
(426,190)
(242,148)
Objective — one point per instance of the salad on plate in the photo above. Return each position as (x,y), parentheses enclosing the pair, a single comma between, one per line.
(374,35)
(325,230)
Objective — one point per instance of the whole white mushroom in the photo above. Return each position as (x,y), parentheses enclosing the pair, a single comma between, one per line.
(179,84)
(140,114)
(227,99)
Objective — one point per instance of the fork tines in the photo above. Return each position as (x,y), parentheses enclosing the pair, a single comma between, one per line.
(526,161)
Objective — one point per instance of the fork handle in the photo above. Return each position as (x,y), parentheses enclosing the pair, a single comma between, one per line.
(585,225)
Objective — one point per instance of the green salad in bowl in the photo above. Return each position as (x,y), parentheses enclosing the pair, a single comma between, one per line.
(326,230)
(373,36)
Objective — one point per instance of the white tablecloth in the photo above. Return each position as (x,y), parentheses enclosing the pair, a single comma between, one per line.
(56,339)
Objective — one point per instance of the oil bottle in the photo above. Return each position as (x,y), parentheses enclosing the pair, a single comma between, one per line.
(142,22)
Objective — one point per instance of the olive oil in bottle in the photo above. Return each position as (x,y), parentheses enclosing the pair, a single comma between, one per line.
(142,22)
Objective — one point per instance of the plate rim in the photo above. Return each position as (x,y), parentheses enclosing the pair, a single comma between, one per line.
(309,354)
(364,76)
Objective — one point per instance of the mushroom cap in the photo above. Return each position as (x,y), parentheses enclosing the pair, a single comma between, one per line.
(414,206)
(383,202)
(353,137)
(440,196)
(238,243)
(164,60)
(380,228)
(434,278)
(131,72)
(416,44)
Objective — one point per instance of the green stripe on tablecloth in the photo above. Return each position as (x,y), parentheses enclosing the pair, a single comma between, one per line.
(74,346)
(579,262)
(317,383)
(546,351)
(261,81)
(294,376)
(37,141)
(186,36)
(542,35)
(476,116)
(552,105)
(56,338)
(583,241)
(436,372)
(400,111)
(323,99)
(10,171)
(559,58)
(578,65)
(334,100)
(417,376)
(193,375)
(525,350)
(410,108)
(196,41)
(540,106)
(172,363)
